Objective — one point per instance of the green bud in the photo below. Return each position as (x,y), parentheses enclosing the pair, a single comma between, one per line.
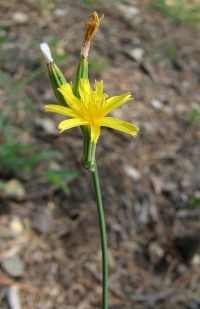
(81,72)
(57,79)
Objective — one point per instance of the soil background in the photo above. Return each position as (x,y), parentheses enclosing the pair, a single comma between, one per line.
(51,239)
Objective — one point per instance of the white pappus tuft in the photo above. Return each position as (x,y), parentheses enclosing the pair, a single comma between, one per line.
(46,52)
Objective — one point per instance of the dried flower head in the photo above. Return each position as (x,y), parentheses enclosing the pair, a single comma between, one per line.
(92,22)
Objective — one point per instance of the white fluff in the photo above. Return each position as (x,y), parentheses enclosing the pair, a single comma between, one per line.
(46,51)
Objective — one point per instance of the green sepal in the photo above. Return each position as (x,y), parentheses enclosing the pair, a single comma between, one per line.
(57,79)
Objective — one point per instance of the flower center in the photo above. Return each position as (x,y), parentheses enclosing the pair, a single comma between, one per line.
(93,106)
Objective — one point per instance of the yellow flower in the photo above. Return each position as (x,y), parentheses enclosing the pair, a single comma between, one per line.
(90,110)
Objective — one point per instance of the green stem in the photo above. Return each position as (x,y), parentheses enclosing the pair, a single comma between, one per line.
(103,238)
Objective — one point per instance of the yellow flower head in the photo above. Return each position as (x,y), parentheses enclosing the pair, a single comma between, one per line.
(90,110)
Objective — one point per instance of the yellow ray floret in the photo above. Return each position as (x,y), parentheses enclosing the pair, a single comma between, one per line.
(91,109)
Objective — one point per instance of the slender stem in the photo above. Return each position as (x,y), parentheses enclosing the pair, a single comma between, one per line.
(103,238)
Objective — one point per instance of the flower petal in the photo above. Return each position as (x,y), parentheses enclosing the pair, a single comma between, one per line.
(95,132)
(116,101)
(60,110)
(70,98)
(84,87)
(99,88)
(117,124)
(71,123)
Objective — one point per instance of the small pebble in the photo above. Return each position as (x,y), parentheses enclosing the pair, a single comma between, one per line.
(156,104)
(137,54)
(182,269)
(16,226)
(48,125)
(156,253)
(195,260)
(42,221)
(14,297)
(54,166)
(15,188)
(20,17)
(129,11)
(132,172)
(60,12)
(13,266)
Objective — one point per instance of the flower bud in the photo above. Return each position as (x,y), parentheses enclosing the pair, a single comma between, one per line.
(55,75)
(57,79)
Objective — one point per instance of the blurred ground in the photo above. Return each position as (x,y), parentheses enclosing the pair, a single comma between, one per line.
(147,182)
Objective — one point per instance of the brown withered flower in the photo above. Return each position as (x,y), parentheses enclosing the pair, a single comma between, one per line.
(92,22)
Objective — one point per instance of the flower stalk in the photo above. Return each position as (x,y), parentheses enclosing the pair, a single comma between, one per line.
(104,247)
